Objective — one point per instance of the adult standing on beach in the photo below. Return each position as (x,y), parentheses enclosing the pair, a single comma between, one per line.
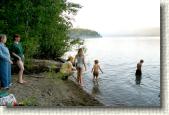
(5,64)
(17,53)
(80,63)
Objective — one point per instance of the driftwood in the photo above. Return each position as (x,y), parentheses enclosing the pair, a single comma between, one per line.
(60,60)
(38,66)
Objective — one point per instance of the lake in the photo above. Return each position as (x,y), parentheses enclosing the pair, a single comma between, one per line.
(118,57)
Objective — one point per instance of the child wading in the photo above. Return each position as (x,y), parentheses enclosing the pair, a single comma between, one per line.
(138,70)
(95,69)
(80,64)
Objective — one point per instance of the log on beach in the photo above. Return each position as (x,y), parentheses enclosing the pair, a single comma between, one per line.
(38,66)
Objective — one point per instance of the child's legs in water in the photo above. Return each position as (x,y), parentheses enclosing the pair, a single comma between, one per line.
(95,75)
(79,75)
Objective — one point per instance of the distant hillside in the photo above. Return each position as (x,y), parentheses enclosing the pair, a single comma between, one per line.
(83,33)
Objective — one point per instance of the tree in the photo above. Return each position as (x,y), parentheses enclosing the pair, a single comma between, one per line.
(42,24)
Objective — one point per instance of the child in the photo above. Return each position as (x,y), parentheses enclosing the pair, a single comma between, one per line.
(138,70)
(80,59)
(67,68)
(95,69)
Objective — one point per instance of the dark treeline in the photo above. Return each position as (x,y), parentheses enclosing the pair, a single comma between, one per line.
(42,24)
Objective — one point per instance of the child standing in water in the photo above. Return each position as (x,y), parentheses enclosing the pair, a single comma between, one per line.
(95,69)
(80,63)
(138,70)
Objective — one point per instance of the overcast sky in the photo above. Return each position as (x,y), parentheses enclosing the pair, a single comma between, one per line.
(117,16)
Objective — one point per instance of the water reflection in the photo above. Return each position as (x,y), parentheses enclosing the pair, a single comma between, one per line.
(138,79)
(95,89)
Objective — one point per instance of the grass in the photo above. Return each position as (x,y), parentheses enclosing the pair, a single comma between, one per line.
(30,101)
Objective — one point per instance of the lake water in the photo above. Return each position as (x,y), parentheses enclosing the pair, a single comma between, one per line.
(118,57)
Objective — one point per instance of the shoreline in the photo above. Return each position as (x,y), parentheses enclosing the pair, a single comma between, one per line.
(46,90)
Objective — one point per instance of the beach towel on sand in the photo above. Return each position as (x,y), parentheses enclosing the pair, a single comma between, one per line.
(7,100)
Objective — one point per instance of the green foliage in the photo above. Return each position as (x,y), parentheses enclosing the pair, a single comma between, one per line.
(42,24)
(30,101)
(76,43)
(28,64)
(51,71)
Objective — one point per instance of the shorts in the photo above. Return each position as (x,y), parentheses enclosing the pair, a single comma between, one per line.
(138,72)
(79,66)
(16,59)
(96,74)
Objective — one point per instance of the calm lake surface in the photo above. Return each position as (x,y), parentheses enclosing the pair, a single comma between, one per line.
(118,57)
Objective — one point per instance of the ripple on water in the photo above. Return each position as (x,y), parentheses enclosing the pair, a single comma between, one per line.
(117,85)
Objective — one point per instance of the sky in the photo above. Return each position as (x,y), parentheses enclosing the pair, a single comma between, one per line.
(117,16)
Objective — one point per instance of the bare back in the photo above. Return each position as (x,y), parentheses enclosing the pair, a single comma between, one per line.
(96,68)
(139,66)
